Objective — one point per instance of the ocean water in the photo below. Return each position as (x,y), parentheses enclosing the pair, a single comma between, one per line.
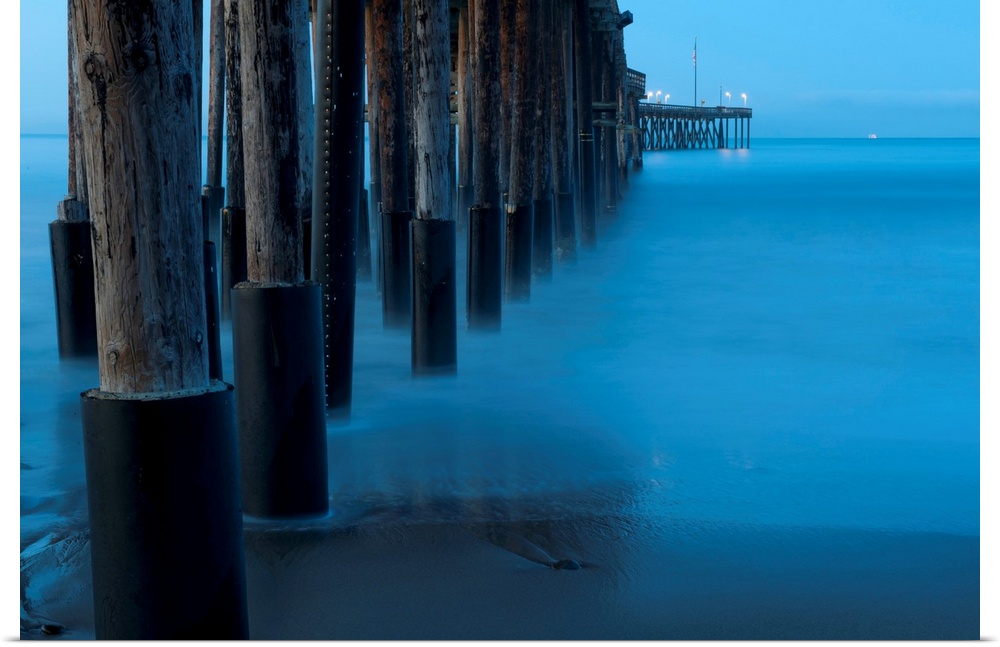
(769,352)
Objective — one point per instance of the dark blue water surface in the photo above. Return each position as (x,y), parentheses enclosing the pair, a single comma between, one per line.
(783,337)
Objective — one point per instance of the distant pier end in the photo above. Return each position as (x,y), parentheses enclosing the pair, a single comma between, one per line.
(666,127)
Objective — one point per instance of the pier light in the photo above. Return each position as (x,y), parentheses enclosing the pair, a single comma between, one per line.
(649,96)
(666,98)
(729,98)
(658,93)
(744,95)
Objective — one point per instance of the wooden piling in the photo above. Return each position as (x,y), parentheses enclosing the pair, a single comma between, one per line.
(508,16)
(373,192)
(600,114)
(69,236)
(452,141)
(519,223)
(541,255)
(483,287)
(409,80)
(216,115)
(234,237)
(466,191)
(434,348)
(393,155)
(198,27)
(73,280)
(488,161)
(235,185)
(77,185)
(636,139)
(585,124)
(609,135)
(277,325)
(143,189)
(216,91)
(364,236)
(621,139)
(564,224)
(272,120)
(156,415)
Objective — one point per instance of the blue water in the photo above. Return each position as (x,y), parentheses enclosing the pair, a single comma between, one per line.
(782,337)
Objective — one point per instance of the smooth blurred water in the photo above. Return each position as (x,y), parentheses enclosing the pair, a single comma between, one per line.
(784,336)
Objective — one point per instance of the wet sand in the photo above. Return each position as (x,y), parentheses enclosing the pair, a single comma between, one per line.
(396,574)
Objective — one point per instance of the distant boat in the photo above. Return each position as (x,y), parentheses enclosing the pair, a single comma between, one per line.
(872,136)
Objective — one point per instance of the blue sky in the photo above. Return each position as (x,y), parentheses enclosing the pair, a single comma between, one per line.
(810,68)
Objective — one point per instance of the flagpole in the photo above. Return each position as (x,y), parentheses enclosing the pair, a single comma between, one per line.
(694,60)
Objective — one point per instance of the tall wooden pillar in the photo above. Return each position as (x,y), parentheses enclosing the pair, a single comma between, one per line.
(541,254)
(393,155)
(508,15)
(483,296)
(609,96)
(622,138)
(466,191)
(157,160)
(213,189)
(564,213)
(434,348)
(409,80)
(77,176)
(585,119)
(159,436)
(277,327)
(69,236)
(234,228)
(374,189)
(520,209)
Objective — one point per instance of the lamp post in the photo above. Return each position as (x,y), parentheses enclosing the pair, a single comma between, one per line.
(649,96)
(666,98)
(729,98)
(658,93)
(744,95)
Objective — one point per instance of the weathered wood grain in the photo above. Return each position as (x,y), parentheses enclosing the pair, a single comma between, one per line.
(391,104)
(432,63)
(274,36)
(235,187)
(508,15)
(560,98)
(216,91)
(486,107)
(139,118)
(523,106)
(543,102)
(465,108)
